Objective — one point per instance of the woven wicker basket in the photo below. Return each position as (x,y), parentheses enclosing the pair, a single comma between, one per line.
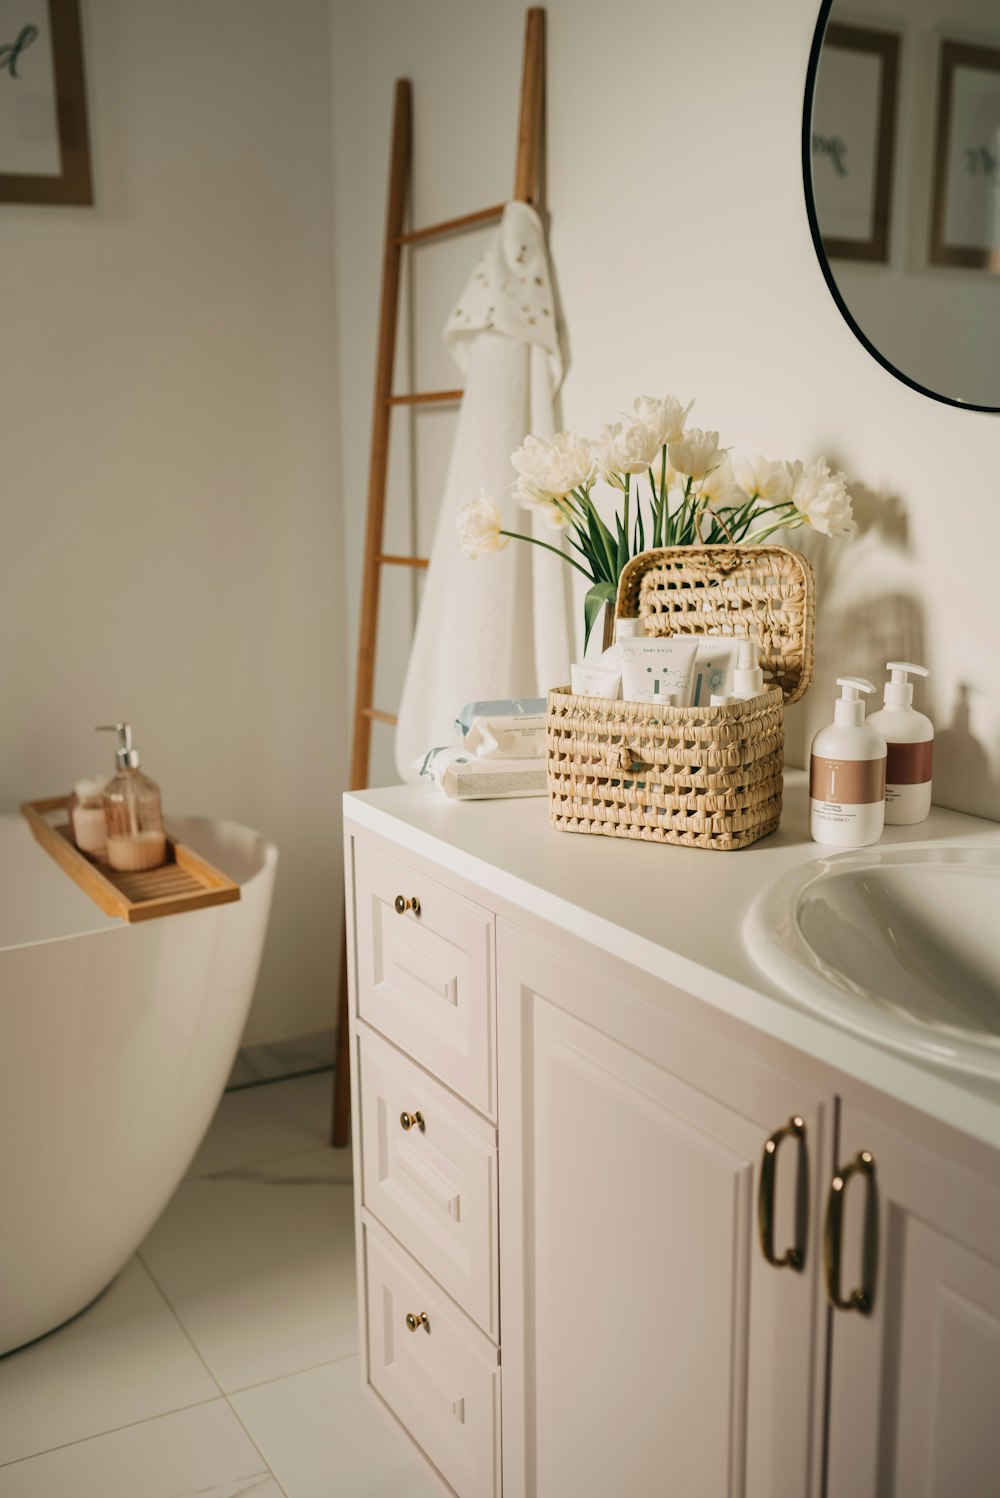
(707,777)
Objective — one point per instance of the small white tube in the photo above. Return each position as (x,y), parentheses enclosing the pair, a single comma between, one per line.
(655,668)
(714,666)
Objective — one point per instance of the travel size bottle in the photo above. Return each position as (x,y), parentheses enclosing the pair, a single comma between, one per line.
(87,816)
(748,678)
(132,810)
(910,737)
(847,774)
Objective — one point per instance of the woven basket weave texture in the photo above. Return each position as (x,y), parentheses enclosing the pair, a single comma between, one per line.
(703,777)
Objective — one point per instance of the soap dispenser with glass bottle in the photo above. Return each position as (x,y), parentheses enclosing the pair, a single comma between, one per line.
(132,810)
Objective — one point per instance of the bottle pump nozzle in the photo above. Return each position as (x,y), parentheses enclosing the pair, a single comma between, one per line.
(898,690)
(849,708)
(748,677)
(126,758)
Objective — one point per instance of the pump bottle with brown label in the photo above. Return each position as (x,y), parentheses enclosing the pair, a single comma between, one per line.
(910,737)
(847,774)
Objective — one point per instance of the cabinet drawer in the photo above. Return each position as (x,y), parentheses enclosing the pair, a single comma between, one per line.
(425,978)
(432,1183)
(441,1380)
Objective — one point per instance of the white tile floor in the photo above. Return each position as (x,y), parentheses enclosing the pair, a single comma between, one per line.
(223,1360)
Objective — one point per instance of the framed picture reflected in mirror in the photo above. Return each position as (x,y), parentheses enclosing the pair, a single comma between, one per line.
(853,140)
(965,215)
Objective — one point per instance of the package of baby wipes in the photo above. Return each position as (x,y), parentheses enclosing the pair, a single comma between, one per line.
(511,729)
(466,777)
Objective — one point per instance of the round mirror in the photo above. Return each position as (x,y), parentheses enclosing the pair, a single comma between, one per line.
(901,159)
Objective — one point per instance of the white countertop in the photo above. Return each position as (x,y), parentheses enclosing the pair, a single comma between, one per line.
(677,914)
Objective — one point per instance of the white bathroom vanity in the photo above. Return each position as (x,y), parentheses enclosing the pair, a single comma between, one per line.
(610,1178)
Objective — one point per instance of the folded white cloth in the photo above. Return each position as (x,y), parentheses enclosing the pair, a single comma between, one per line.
(500,626)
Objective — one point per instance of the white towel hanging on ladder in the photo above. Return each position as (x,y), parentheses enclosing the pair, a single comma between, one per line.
(499,626)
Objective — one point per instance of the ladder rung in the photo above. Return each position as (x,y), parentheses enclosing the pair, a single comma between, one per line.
(425,398)
(452,225)
(379,717)
(392,561)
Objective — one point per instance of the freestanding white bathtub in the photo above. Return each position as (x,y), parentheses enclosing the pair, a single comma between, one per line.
(115,1045)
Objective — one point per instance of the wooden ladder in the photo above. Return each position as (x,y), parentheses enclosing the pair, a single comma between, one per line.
(527,175)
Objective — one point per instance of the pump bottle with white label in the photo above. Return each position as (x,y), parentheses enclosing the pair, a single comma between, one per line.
(910,737)
(847,774)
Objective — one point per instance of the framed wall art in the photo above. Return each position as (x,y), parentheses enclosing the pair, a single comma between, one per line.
(853,140)
(44,146)
(965,214)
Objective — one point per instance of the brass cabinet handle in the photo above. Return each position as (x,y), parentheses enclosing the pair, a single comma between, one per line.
(794,1257)
(402,905)
(412,1120)
(859,1299)
(418,1318)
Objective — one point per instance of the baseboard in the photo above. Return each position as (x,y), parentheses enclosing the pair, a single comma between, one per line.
(283,1058)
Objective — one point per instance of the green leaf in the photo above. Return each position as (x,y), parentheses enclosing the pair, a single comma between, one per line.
(622,553)
(597,597)
(600,539)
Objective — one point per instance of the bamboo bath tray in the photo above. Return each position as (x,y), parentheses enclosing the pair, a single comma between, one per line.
(185,882)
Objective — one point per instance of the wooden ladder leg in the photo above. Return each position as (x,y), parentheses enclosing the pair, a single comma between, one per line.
(399,172)
(528,168)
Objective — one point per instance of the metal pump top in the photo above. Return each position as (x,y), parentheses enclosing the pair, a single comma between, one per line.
(126,758)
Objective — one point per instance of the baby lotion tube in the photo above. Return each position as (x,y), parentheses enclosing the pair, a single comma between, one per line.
(847,774)
(714,665)
(654,669)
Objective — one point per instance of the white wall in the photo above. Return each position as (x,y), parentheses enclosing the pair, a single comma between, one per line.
(171,537)
(684,263)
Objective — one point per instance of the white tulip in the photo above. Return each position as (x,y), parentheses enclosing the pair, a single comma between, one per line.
(553,514)
(720,488)
(625,448)
(478,524)
(821,498)
(696,453)
(553,466)
(664,419)
(768,481)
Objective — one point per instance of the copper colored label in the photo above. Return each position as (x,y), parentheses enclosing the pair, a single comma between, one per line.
(850,782)
(909,764)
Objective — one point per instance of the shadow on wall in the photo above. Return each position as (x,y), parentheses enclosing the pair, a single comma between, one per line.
(962,764)
(871,610)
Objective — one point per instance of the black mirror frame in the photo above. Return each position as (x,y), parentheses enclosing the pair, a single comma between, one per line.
(817,237)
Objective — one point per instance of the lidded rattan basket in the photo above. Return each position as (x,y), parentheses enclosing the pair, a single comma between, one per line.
(705,777)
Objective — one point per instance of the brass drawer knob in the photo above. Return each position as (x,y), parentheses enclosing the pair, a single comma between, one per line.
(861,1298)
(412,1120)
(402,905)
(418,1318)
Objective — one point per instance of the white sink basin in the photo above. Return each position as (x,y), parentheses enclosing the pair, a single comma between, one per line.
(901,945)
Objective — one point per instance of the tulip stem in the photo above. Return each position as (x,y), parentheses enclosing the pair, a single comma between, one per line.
(628,484)
(534,541)
(789,522)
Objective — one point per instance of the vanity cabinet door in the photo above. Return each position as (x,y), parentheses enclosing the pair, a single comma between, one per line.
(915,1377)
(648,1345)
